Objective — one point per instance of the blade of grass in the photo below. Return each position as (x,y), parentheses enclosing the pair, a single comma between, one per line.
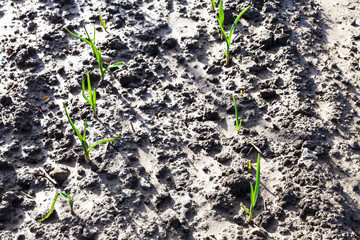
(92,99)
(51,209)
(236,21)
(242,205)
(72,124)
(114,65)
(213,5)
(103,141)
(103,22)
(238,123)
(84,137)
(257,184)
(83,91)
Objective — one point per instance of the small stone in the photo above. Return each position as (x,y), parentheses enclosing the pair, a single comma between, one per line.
(307,159)
(60,175)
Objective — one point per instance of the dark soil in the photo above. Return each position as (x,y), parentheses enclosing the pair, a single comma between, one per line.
(179,170)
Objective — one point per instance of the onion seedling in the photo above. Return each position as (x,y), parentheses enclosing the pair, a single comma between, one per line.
(92,95)
(96,52)
(254,192)
(238,123)
(67,196)
(102,23)
(220,18)
(83,138)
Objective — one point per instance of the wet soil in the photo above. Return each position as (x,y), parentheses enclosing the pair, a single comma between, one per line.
(179,170)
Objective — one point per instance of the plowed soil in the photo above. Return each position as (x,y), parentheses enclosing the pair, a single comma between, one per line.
(179,170)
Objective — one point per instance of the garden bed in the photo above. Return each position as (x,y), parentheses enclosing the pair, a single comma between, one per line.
(179,169)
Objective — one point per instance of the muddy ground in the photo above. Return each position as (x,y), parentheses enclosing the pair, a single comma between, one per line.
(179,170)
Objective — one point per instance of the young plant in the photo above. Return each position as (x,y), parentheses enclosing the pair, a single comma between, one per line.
(102,23)
(96,52)
(254,192)
(220,18)
(92,95)
(83,138)
(67,196)
(213,5)
(238,123)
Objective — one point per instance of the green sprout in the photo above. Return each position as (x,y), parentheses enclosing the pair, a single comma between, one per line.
(67,196)
(92,95)
(238,123)
(102,23)
(254,193)
(96,52)
(83,138)
(220,18)
(213,5)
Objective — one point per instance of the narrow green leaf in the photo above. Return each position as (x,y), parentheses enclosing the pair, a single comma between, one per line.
(71,203)
(83,92)
(94,36)
(72,124)
(238,124)
(251,193)
(257,179)
(236,21)
(221,13)
(85,129)
(81,38)
(242,205)
(87,34)
(222,29)
(213,5)
(103,22)
(89,89)
(64,195)
(103,141)
(51,209)
(94,101)
(115,65)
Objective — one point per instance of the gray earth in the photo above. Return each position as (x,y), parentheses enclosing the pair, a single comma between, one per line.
(179,170)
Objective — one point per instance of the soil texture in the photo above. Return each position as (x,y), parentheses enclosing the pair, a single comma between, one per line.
(179,170)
